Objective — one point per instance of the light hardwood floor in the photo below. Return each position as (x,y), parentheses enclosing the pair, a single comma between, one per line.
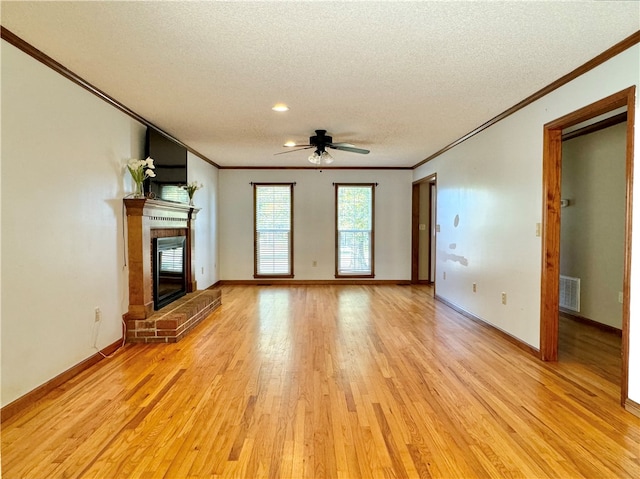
(589,347)
(328,381)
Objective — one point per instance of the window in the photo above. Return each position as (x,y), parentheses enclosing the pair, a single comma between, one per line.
(174,193)
(273,232)
(354,230)
(171,260)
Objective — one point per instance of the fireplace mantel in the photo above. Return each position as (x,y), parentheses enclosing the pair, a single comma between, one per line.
(148,218)
(159,210)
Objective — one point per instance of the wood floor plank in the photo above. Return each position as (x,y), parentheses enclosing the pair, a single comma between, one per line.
(335,381)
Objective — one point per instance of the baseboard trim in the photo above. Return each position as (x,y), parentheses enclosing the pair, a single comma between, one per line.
(591,322)
(512,339)
(632,407)
(38,393)
(306,282)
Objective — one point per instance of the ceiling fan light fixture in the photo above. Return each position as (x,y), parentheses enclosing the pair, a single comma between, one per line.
(320,142)
(323,158)
(315,158)
(280,107)
(326,158)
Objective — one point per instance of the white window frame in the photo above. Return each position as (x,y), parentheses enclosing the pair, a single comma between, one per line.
(353,254)
(271,269)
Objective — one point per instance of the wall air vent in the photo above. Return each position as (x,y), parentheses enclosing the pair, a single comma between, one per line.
(570,293)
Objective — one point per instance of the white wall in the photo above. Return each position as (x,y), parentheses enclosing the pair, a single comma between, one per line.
(63,255)
(206,225)
(592,233)
(314,229)
(62,230)
(493,182)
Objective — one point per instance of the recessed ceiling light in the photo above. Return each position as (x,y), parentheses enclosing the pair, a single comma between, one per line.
(280,107)
(290,143)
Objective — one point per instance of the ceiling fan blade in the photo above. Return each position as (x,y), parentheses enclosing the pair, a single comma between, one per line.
(352,149)
(340,143)
(297,149)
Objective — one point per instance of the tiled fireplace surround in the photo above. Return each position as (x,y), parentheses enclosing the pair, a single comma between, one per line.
(148,219)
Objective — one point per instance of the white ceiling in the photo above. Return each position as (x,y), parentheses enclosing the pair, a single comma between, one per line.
(403,79)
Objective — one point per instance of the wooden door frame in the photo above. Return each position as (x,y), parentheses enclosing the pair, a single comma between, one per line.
(415,227)
(415,232)
(433,201)
(551,178)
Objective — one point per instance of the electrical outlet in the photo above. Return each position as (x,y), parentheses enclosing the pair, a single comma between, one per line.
(504,298)
(202,270)
(98,315)
(474,287)
(620,297)
(444,275)
(314,263)
(538,229)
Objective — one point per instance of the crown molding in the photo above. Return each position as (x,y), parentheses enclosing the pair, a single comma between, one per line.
(30,50)
(616,49)
(45,59)
(319,168)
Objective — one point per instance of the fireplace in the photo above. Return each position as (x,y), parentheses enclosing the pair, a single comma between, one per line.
(169,264)
(164,302)
(148,220)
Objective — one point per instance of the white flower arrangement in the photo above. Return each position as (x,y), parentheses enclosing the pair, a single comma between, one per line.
(141,170)
(192,188)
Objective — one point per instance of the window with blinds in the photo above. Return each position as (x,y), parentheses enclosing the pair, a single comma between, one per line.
(171,260)
(174,193)
(273,232)
(354,230)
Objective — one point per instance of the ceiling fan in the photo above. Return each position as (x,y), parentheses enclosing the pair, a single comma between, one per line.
(321,141)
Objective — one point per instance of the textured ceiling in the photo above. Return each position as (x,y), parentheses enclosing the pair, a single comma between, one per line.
(403,79)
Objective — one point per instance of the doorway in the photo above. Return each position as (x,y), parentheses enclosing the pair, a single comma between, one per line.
(552,165)
(423,238)
(592,244)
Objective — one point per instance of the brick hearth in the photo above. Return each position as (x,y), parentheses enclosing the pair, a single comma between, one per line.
(171,323)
